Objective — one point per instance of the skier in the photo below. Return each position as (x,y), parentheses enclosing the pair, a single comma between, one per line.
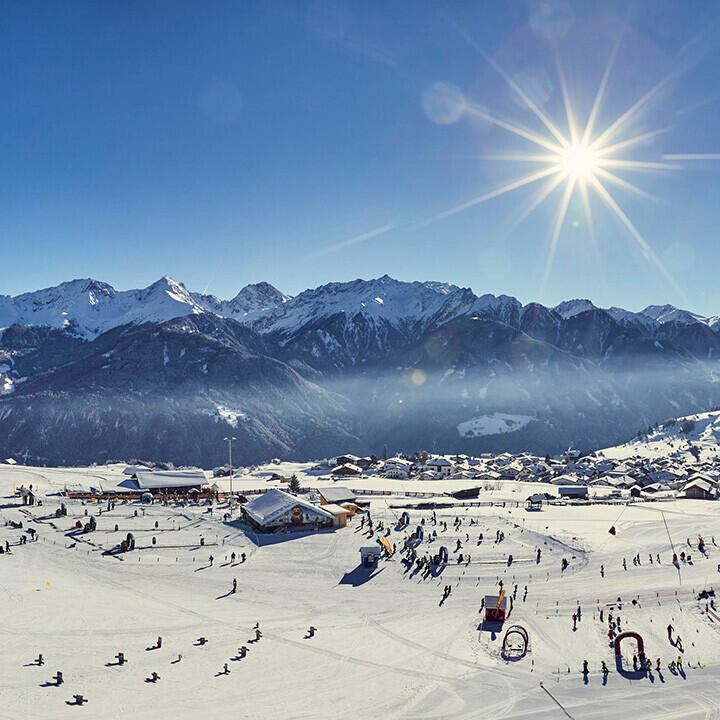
(585,668)
(242,652)
(59,678)
(155,676)
(539,552)
(602,571)
(311,631)
(232,558)
(657,665)
(635,663)
(158,645)
(258,635)
(234,587)
(226,669)
(242,556)
(40,660)
(605,670)
(574,621)
(624,564)
(579,613)
(211,560)
(678,643)
(669,632)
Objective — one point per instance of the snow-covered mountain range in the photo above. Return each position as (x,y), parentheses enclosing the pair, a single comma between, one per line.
(362,363)
(87,307)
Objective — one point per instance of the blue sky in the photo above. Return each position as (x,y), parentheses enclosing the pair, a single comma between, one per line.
(301,143)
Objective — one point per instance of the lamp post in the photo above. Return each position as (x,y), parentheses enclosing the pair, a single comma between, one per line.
(229,441)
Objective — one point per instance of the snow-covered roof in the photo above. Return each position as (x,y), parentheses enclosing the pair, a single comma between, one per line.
(337,494)
(270,506)
(702,484)
(335,509)
(439,462)
(147,480)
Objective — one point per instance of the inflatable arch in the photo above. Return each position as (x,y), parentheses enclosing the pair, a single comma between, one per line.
(638,639)
(515,642)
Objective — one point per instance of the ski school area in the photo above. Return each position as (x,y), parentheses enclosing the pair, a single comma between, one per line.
(125,608)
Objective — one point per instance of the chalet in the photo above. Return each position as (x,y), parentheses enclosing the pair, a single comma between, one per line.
(277,509)
(345,460)
(440,465)
(347,470)
(395,473)
(699,490)
(565,480)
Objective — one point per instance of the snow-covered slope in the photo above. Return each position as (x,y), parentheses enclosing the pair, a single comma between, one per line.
(693,436)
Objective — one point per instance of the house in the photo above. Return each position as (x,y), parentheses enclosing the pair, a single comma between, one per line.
(395,473)
(337,495)
(495,608)
(699,490)
(364,462)
(278,509)
(347,470)
(345,460)
(564,480)
(574,492)
(636,491)
(440,465)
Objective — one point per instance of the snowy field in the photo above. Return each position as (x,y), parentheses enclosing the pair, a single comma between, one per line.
(385,647)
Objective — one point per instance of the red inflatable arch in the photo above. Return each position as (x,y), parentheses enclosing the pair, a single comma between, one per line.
(622,636)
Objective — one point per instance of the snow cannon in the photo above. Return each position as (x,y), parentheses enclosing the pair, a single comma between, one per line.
(612,530)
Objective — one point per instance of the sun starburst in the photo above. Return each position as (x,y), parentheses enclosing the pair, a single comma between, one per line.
(580,159)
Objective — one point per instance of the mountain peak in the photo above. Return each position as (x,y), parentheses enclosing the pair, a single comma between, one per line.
(569,308)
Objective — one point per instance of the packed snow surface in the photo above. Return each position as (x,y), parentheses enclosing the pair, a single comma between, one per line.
(385,646)
(494,424)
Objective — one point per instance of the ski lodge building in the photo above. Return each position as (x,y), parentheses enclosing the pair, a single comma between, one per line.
(277,509)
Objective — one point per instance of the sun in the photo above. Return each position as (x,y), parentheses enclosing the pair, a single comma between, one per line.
(579,161)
